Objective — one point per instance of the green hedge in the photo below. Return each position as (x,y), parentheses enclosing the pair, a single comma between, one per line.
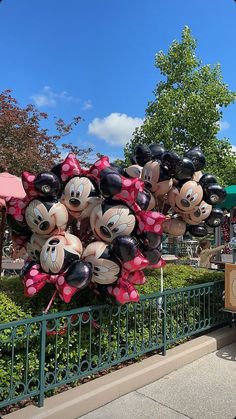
(14,305)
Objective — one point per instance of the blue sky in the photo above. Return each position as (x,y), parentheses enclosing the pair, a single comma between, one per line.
(95,58)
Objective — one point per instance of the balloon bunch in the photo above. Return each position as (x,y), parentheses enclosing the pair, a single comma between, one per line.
(83,228)
(188,197)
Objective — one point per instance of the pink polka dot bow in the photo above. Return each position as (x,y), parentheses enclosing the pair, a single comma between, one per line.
(70,168)
(35,279)
(150,221)
(95,170)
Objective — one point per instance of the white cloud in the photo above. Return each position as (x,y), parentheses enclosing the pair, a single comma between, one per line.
(47,97)
(234,148)
(87,105)
(224,125)
(115,129)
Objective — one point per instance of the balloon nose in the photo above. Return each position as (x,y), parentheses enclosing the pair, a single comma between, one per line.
(44,225)
(105,232)
(197,213)
(54,242)
(185,203)
(74,202)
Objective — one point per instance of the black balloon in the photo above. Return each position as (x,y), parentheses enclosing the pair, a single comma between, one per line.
(198,230)
(124,248)
(214,194)
(143,199)
(19,227)
(142,154)
(150,240)
(207,179)
(157,151)
(110,183)
(185,169)
(215,218)
(47,183)
(152,255)
(79,274)
(170,162)
(196,155)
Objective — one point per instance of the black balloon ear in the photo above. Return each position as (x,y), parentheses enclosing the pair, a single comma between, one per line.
(157,151)
(19,227)
(69,258)
(152,255)
(79,274)
(133,160)
(215,218)
(27,266)
(117,169)
(47,183)
(124,248)
(170,162)
(143,199)
(196,155)
(150,240)
(110,183)
(213,194)
(198,230)
(142,154)
(56,170)
(185,169)
(207,179)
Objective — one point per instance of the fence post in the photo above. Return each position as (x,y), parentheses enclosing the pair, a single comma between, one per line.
(164,325)
(42,362)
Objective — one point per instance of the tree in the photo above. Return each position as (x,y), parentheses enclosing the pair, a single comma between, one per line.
(187,109)
(24,145)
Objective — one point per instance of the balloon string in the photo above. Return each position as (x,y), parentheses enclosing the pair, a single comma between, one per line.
(50,302)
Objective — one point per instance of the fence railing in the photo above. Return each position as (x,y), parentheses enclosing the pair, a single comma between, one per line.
(42,353)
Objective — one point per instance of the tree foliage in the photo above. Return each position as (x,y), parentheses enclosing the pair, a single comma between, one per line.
(187,108)
(24,144)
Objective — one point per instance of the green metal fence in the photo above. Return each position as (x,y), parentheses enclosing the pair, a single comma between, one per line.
(42,353)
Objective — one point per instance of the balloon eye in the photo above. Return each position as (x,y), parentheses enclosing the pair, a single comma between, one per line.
(47,250)
(39,218)
(110,224)
(96,269)
(36,222)
(77,194)
(72,193)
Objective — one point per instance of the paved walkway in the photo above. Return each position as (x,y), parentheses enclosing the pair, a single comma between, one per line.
(205,389)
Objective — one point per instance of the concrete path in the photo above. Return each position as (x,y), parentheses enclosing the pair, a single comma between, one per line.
(204,389)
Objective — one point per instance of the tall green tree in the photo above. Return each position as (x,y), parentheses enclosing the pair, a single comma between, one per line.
(187,109)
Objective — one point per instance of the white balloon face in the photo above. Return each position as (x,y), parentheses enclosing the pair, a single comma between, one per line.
(44,217)
(59,252)
(105,270)
(111,222)
(80,197)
